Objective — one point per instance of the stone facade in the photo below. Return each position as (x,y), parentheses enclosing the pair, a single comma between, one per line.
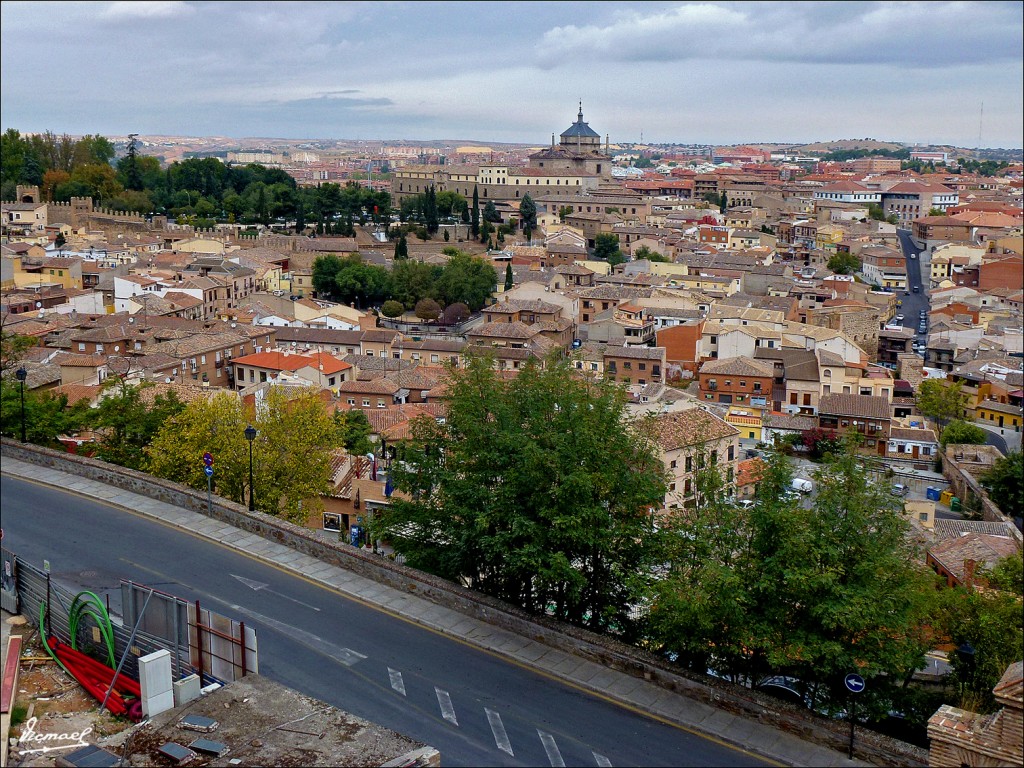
(962,738)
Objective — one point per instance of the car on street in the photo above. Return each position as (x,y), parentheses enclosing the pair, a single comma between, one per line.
(913,255)
(916,289)
(899,318)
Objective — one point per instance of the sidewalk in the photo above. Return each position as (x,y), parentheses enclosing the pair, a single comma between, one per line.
(636,693)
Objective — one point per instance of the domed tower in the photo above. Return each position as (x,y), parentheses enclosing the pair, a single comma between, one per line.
(580,137)
(578,151)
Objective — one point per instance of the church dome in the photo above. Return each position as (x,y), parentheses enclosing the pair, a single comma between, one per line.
(580,130)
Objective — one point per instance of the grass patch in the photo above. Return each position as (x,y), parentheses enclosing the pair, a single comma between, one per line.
(18,714)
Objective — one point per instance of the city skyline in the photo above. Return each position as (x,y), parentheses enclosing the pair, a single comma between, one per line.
(719,73)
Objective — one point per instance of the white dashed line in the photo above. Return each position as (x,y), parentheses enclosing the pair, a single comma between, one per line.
(445,702)
(500,737)
(554,756)
(602,761)
(396,680)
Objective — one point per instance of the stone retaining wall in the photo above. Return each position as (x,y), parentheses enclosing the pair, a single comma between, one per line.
(606,651)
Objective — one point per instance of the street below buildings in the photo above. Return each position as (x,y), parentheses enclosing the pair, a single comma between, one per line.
(474,706)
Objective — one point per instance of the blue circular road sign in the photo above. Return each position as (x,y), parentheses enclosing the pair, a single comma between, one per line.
(854,683)
(208,471)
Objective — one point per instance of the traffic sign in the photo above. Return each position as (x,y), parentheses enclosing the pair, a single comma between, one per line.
(208,471)
(208,459)
(854,683)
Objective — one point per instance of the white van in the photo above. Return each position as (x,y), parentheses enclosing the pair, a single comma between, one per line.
(801,485)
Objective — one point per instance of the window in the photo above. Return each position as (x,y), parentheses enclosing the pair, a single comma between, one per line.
(263,376)
(689,463)
(99,347)
(351,401)
(434,358)
(366,402)
(731,453)
(81,346)
(672,464)
(757,386)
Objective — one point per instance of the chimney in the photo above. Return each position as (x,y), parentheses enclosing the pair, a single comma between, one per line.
(970,566)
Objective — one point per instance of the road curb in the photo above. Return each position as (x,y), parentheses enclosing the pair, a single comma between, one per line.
(601,692)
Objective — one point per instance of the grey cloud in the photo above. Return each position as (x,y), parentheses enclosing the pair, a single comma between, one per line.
(913,34)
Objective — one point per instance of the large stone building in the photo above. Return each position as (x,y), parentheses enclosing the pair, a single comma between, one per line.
(576,165)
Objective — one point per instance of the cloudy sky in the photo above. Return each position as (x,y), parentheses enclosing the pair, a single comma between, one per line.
(696,72)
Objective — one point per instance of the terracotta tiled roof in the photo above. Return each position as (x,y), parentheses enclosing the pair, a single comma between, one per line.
(861,406)
(738,366)
(277,361)
(983,548)
(694,426)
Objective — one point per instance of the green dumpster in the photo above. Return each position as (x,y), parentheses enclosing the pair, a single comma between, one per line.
(954,504)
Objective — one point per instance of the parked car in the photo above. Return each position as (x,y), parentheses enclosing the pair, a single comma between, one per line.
(801,485)
(899,489)
(899,318)
(916,289)
(913,255)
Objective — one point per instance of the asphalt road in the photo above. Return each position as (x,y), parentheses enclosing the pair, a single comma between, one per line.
(476,708)
(914,302)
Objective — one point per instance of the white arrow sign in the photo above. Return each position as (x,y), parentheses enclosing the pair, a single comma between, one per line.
(257,586)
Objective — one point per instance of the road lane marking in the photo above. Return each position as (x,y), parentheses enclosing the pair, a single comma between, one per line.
(265,561)
(498,729)
(396,680)
(445,702)
(256,586)
(346,656)
(601,760)
(554,756)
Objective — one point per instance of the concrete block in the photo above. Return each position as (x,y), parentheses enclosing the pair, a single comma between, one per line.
(155,683)
(186,690)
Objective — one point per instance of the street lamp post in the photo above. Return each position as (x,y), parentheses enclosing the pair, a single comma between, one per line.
(250,435)
(21,375)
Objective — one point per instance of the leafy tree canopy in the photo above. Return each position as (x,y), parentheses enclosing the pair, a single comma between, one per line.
(844,263)
(1005,483)
(290,453)
(941,400)
(959,432)
(534,490)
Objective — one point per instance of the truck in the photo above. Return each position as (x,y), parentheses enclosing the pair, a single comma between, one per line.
(801,485)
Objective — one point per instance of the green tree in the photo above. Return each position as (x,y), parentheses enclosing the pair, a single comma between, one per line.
(844,263)
(354,431)
(262,213)
(128,422)
(290,452)
(781,589)
(491,213)
(47,416)
(412,281)
(132,174)
(509,279)
(941,400)
(325,274)
(430,215)
(989,622)
(392,308)
(427,309)
(564,211)
(60,241)
(476,212)
(723,204)
(467,279)
(1005,483)
(936,212)
(535,491)
(528,215)
(959,432)
(606,245)
(401,248)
